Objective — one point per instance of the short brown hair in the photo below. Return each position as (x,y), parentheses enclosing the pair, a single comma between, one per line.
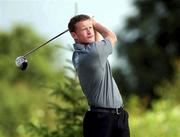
(76,19)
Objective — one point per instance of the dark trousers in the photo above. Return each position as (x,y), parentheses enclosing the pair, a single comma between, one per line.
(106,124)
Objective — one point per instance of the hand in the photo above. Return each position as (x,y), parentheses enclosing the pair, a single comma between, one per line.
(104,32)
(93,20)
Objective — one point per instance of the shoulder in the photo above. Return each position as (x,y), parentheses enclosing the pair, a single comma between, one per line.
(75,59)
(104,42)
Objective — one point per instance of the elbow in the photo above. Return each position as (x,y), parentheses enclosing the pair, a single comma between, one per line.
(113,39)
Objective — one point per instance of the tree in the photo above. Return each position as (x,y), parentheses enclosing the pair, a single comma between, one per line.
(149,45)
(21,90)
(69,106)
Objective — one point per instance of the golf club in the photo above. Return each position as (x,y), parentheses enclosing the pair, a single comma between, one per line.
(21,61)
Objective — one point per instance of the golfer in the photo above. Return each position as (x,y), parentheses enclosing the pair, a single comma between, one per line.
(106,116)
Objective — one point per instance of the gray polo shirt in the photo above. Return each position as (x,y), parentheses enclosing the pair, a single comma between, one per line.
(95,74)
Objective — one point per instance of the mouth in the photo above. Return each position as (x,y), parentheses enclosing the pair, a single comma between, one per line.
(90,36)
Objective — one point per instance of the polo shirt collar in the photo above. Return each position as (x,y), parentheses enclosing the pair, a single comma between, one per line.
(78,46)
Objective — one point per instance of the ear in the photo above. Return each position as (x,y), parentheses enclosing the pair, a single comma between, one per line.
(74,35)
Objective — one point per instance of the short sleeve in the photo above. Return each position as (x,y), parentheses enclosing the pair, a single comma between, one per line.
(104,48)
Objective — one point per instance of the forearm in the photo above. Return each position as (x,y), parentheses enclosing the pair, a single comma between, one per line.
(106,33)
(98,36)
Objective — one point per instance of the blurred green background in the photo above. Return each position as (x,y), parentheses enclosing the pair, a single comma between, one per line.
(46,99)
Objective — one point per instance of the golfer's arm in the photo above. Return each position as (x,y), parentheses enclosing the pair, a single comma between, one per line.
(98,36)
(106,33)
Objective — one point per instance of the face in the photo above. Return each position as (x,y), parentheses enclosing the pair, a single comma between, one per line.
(84,32)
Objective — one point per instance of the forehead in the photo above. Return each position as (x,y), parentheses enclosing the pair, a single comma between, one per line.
(83,23)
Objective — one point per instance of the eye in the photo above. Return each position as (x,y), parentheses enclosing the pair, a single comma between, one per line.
(82,29)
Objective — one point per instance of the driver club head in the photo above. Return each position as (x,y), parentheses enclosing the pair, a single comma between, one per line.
(21,62)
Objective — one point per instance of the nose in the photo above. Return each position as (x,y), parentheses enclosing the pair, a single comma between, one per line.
(88,31)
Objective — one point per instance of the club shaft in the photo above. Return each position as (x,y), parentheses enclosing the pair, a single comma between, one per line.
(33,50)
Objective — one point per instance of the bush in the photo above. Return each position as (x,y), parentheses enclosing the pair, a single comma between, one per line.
(162,121)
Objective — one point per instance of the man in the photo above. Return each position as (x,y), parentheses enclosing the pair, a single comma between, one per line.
(106,116)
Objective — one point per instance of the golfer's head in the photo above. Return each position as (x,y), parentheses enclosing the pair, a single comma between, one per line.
(81,29)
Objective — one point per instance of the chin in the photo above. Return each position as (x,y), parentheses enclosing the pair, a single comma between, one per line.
(87,41)
(91,40)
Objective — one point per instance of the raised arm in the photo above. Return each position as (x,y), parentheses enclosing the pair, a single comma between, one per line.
(98,36)
(106,33)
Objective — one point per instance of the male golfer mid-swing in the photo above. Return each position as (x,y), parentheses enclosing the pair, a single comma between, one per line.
(106,116)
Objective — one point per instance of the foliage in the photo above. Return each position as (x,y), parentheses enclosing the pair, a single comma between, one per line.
(164,117)
(69,105)
(170,90)
(162,121)
(15,43)
(149,45)
(18,104)
(23,94)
